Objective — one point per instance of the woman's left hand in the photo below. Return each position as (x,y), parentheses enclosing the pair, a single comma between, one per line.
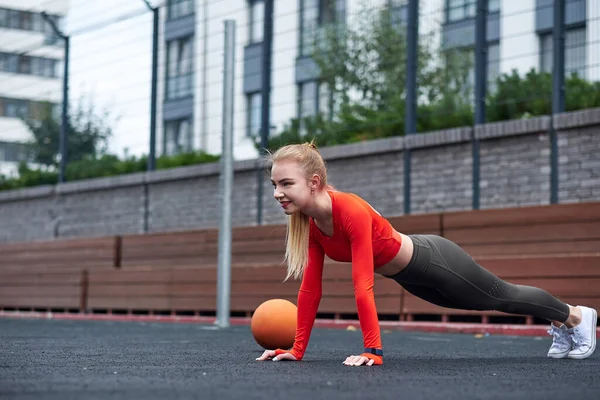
(358,360)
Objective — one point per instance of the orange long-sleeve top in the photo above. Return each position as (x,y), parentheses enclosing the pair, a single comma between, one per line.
(360,236)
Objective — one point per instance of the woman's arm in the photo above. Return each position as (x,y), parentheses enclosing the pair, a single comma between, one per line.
(358,224)
(309,297)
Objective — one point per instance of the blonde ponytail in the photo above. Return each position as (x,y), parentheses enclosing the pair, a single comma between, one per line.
(296,252)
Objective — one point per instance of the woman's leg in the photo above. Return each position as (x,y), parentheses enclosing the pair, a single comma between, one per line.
(442,265)
(446,269)
(465,281)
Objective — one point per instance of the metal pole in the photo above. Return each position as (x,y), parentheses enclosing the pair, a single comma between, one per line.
(410,119)
(480,90)
(64,126)
(224,271)
(412,59)
(204,133)
(266,99)
(152,156)
(558,91)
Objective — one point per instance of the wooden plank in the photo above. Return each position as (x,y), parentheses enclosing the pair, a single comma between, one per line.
(568,267)
(128,302)
(525,233)
(530,215)
(58,244)
(129,290)
(45,291)
(39,302)
(418,224)
(36,278)
(149,276)
(545,247)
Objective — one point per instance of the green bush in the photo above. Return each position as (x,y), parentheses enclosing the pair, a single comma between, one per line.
(101,166)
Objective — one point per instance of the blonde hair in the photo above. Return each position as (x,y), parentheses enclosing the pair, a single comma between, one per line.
(298,227)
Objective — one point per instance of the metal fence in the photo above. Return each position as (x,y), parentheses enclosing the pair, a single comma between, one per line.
(339,70)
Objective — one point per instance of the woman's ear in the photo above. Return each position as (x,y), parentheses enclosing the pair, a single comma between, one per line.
(315,182)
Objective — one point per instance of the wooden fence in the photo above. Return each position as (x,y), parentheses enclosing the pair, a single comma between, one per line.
(555,247)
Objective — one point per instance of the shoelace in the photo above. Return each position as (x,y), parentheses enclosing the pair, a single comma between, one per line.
(559,337)
(580,338)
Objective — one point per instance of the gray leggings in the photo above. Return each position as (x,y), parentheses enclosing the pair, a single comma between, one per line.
(442,273)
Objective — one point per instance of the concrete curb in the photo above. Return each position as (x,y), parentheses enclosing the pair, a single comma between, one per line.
(428,327)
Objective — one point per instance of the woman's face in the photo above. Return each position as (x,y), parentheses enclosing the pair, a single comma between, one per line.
(290,187)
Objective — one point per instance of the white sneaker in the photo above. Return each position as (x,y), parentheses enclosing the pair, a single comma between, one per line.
(584,334)
(562,342)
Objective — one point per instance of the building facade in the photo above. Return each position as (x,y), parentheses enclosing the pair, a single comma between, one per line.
(519,37)
(31,64)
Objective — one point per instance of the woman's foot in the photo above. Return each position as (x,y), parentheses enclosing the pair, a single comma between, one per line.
(584,334)
(562,341)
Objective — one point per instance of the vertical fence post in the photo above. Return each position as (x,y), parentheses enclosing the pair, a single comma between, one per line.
(558,91)
(64,125)
(410,117)
(480,91)
(224,264)
(151,165)
(267,50)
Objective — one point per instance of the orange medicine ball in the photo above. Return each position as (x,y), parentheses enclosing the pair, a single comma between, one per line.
(273,324)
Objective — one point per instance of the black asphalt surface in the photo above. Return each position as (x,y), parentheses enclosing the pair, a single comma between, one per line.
(61,359)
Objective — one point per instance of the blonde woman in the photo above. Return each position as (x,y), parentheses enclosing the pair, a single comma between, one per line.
(323,221)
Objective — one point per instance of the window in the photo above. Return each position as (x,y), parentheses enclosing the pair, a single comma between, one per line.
(254,114)
(19,64)
(575,52)
(461,64)
(399,12)
(14,19)
(16,108)
(257,16)
(493,65)
(24,65)
(26,20)
(308,99)
(461,9)
(14,152)
(179,8)
(493,6)
(316,15)
(178,137)
(180,68)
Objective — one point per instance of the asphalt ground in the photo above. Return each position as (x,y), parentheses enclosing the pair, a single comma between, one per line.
(79,359)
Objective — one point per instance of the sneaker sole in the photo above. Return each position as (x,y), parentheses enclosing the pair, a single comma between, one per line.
(559,355)
(593,346)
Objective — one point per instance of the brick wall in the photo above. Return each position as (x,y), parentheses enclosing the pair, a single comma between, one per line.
(515,171)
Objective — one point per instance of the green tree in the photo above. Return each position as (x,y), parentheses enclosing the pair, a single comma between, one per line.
(87,134)
(364,69)
(531,95)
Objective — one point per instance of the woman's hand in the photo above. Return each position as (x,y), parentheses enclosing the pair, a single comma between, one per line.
(271,354)
(361,360)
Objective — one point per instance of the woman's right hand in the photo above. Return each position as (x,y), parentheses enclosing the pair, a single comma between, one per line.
(272,354)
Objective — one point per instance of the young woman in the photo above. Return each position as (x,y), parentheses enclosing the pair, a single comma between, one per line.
(323,221)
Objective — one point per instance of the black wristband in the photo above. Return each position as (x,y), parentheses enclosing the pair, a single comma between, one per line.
(371,350)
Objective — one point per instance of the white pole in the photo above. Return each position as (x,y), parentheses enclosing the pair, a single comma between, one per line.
(224,267)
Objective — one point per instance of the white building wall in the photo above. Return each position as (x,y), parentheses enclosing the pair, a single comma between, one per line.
(593,40)
(519,49)
(28,87)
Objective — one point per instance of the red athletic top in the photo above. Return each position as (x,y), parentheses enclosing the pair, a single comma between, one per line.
(361,236)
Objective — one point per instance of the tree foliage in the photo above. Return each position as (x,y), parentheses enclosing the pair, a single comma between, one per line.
(363,66)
